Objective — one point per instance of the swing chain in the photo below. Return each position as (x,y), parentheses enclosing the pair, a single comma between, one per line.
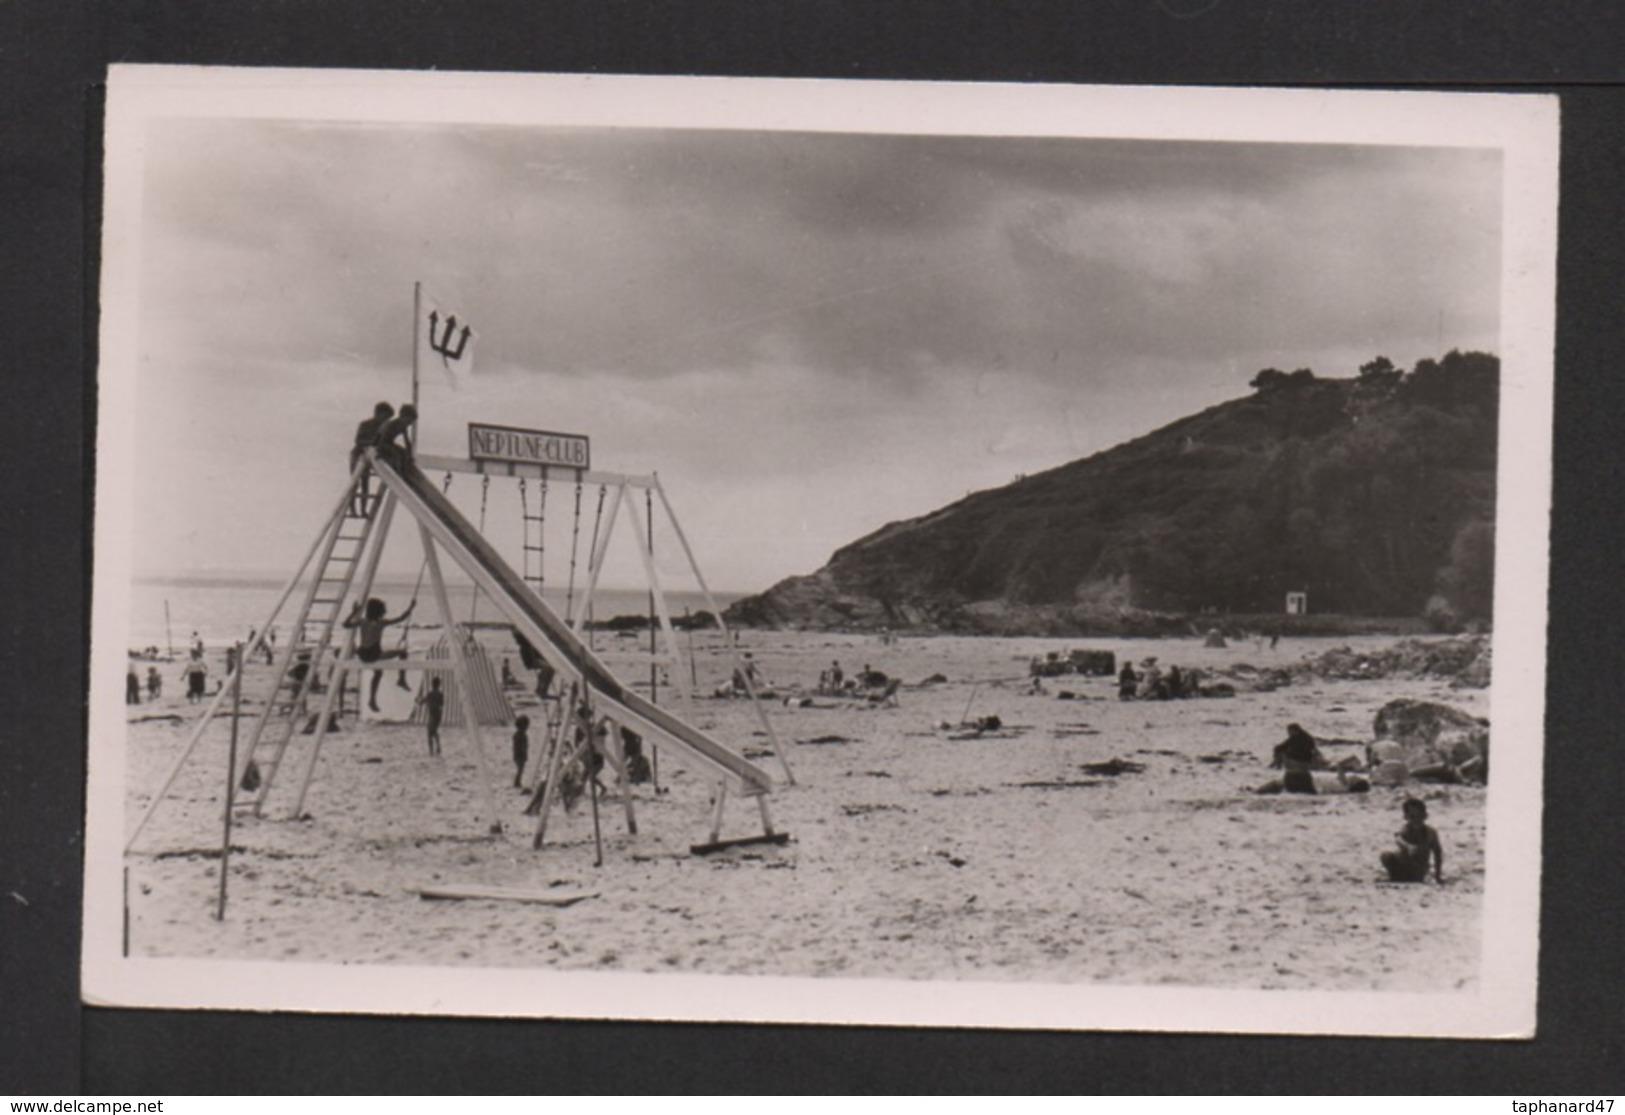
(485,491)
(541,533)
(575,538)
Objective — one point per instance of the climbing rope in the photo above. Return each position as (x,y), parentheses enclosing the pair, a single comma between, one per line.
(417,585)
(541,534)
(524,528)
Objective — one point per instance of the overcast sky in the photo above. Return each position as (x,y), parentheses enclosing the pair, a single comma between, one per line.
(806,335)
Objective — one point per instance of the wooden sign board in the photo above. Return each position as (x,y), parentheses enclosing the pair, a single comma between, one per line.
(528,447)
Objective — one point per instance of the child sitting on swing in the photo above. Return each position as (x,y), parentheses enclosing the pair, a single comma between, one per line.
(370,626)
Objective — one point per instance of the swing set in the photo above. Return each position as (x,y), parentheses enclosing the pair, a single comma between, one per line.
(590,729)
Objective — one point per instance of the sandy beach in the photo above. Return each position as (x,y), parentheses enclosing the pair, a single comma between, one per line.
(916,850)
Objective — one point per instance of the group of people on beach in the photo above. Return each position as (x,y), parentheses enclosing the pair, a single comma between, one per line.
(195,672)
(834,682)
(1417,844)
(132,685)
(1151,683)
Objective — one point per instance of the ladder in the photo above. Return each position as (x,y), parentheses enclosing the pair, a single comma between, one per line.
(534,540)
(299,666)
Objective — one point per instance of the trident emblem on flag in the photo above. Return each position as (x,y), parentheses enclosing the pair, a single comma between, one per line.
(443,342)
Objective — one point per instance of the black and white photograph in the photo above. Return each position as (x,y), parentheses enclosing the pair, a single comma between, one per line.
(1042,557)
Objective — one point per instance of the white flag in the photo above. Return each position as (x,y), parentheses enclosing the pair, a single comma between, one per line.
(447,338)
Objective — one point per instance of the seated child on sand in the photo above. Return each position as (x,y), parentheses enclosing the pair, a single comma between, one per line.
(1295,756)
(1417,843)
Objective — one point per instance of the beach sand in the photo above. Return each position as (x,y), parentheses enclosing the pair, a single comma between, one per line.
(912,854)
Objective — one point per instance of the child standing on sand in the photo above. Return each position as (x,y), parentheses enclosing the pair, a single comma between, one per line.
(1417,843)
(196,673)
(521,749)
(434,701)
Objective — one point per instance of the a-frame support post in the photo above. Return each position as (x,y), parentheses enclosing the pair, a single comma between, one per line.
(659,596)
(615,755)
(578,737)
(716,816)
(471,719)
(595,560)
(727,641)
(555,762)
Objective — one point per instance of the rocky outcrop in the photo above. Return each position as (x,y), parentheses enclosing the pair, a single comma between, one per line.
(1374,495)
(1432,741)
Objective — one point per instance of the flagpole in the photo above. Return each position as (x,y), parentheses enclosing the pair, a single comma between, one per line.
(417,324)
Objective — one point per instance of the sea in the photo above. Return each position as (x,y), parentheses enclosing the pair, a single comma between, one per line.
(165,612)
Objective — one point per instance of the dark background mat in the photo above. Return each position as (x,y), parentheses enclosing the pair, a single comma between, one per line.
(53,57)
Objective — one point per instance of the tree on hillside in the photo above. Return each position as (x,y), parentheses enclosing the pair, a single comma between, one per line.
(1380,372)
(1467,584)
(1271,378)
(1267,378)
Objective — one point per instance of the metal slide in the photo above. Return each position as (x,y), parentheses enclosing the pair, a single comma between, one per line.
(552,637)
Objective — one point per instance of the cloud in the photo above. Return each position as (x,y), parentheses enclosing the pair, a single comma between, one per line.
(818,332)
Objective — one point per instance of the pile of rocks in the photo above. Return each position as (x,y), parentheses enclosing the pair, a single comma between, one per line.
(1429,742)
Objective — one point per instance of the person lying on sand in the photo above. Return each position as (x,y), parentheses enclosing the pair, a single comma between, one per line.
(1325,782)
(1296,757)
(1416,843)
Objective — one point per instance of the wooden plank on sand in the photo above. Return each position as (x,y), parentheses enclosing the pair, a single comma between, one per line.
(460,891)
